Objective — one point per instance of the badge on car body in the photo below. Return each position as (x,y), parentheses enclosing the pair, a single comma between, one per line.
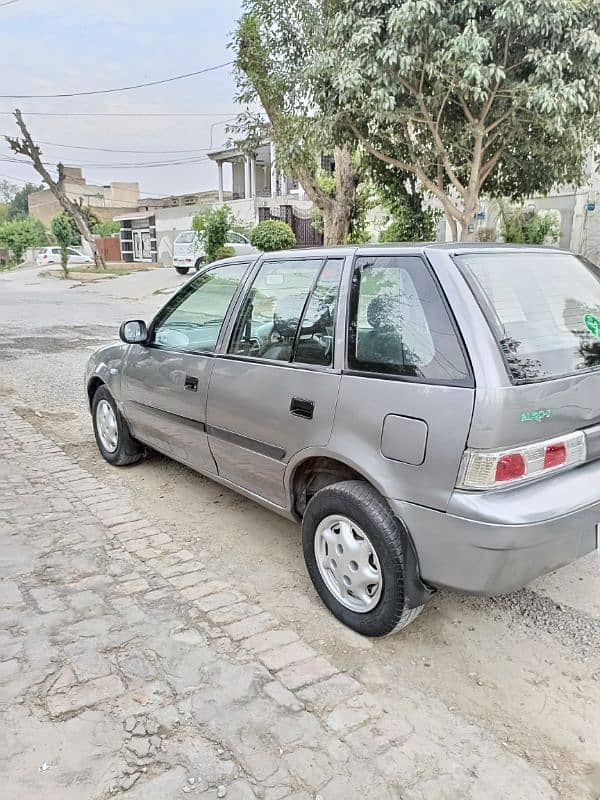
(536,416)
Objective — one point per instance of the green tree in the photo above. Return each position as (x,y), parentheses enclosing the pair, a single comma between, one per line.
(527,225)
(272,234)
(8,191)
(410,219)
(19,234)
(62,229)
(105,227)
(272,60)
(18,206)
(467,95)
(212,226)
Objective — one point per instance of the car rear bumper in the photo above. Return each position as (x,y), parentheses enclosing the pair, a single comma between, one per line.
(488,553)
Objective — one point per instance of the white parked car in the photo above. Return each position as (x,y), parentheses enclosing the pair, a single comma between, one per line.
(188,251)
(51,255)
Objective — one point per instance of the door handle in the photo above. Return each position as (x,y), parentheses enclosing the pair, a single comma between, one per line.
(302,408)
(191,383)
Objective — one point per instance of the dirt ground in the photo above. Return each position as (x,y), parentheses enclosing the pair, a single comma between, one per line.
(523,668)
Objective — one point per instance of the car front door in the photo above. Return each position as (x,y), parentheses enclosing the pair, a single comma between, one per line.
(274,389)
(165,382)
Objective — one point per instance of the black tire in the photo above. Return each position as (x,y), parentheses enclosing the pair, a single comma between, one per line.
(363,505)
(128,450)
(182,270)
(199,264)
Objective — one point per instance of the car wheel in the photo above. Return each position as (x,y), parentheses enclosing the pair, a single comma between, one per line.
(199,264)
(182,270)
(354,552)
(114,441)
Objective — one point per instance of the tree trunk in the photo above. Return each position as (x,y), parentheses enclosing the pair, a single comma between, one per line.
(336,225)
(84,230)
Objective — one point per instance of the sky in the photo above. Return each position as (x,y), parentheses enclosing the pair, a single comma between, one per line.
(55,46)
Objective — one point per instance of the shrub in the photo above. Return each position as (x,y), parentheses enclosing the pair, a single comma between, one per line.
(272,234)
(224,252)
(212,226)
(19,234)
(527,225)
(63,231)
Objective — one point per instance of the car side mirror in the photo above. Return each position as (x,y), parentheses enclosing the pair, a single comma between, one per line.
(133,331)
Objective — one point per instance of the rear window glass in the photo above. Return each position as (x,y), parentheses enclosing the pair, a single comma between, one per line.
(544,309)
(399,324)
(185,238)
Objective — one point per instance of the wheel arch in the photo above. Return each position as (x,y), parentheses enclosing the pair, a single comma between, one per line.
(92,387)
(313,470)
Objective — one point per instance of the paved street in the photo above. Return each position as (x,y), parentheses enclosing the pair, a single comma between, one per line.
(160,638)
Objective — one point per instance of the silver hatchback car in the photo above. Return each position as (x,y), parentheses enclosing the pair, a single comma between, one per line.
(431,414)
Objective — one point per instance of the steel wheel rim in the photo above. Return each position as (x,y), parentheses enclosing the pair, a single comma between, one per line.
(348,563)
(106,425)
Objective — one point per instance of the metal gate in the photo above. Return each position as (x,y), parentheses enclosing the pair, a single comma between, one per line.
(306,235)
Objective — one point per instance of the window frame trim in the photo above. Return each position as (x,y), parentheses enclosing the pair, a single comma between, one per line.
(241,299)
(468,382)
(157,317)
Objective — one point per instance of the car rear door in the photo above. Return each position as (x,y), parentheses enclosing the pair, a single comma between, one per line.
(406,395)
(165,382)
(273,390)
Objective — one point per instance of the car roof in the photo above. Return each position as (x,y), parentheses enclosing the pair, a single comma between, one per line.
(407,247)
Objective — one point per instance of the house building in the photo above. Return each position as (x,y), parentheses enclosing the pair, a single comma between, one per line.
(106,201)
(256,182)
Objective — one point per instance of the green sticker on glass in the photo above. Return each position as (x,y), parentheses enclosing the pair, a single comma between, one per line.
(592,323)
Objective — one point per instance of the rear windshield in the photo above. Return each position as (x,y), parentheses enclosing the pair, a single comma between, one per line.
(185,238)
(543,307)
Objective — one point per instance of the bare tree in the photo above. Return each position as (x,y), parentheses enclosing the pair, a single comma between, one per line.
(27,147)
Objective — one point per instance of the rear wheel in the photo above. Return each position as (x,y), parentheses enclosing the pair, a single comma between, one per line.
(354,552)
(182,270)
(114,441)
(199,264)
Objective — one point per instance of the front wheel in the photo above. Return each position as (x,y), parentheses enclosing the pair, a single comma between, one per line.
(199,264)
(114,441)
(182,270)
(355,555)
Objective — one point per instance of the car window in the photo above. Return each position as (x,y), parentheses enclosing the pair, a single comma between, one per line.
(314,344)
(73,252)
(398,322)
(192,320)
(235,238)
(187,237)
(268,320)
(543,307)
(56,251)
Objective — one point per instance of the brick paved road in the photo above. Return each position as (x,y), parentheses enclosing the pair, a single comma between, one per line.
(127,667)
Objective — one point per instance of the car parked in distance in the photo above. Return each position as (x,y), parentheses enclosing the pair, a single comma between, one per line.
(430,414)
(188,251)
(51,255)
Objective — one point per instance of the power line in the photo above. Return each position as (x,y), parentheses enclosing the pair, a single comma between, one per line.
(117,165)
(115,150)
(118,89)
(8,3)
(119,114)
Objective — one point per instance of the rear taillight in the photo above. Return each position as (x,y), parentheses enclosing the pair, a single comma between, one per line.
(487,469)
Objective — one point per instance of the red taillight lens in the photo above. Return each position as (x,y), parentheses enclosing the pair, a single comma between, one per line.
(510,467)
(555,455)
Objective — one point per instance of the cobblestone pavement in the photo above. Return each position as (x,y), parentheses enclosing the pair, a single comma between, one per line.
(128,668)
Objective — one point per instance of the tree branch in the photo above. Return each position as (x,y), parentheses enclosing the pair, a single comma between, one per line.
(27,147)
